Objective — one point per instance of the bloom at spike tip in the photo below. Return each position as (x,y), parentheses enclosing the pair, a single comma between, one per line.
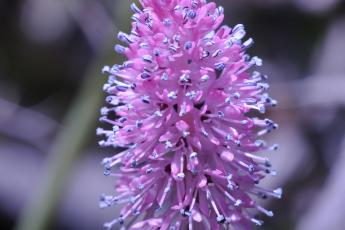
(179,107)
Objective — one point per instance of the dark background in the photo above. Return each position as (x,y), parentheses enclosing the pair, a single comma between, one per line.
(48,48)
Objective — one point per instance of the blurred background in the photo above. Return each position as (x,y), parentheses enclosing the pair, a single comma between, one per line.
(51,56)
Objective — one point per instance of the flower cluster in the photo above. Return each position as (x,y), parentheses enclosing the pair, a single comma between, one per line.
(182,109)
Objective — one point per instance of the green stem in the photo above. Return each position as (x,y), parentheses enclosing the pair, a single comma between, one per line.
(77,127)
(64,152)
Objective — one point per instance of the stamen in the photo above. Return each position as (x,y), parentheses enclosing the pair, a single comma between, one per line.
(135,8)
(147,58)
(168,145)
(188,45)
(113,100)
(194,3)
(205,78)
(220,218)
(264,211)
(172,95)
(181,174)
(167,22)
(120,49)
(220,10)
(146,99)
(257,222)
(124,37)
(274,147)
(184,78)
(191,14)
(145,75)
(216,53)
(247,44)
(204,133)
(191,95)
(166,191)
(219,66)
(238,32)
(205,54)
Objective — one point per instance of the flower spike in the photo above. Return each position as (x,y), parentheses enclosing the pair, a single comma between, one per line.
(179,108)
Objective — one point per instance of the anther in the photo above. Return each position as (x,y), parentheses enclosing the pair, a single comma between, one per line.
(238,32)
(164,77)
(113,100)
(144,45)
(127,64)
(135,8)
(156,52)
(122,119)
(216,53)
(134,163)
(188,45)
(104,111)
(120,49)
(259,143)
(122,88)
(106,69)
(247,44)
(264,86)
(228,100)
(278,192)
(191,95)
(220,10)
(177,38)
(145,75)
(237,95)
(167,22)
(205,78)
(204,133)
(194,3)
(274,147)
(193,155)
(168,145)
(172,95)
(154,155)
(121,220)
(205,54)
(238,203)
(266,212)
(185,134)
(158,114)
(146,99)
(180,175)
(173,49)
(106,172)
(220,114)
(257,222)
(191,14)
(184,78)
(147,58)
(219,66)
(124,37)
(256,61)
(220,219)
(139,124)
(99,131)
(136,18)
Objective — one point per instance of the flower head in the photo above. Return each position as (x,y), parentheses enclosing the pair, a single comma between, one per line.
(179,107)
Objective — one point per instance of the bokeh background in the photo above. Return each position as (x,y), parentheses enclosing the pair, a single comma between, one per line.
(51,56)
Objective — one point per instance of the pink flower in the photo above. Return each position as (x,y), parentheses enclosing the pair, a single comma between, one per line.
(179,106)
